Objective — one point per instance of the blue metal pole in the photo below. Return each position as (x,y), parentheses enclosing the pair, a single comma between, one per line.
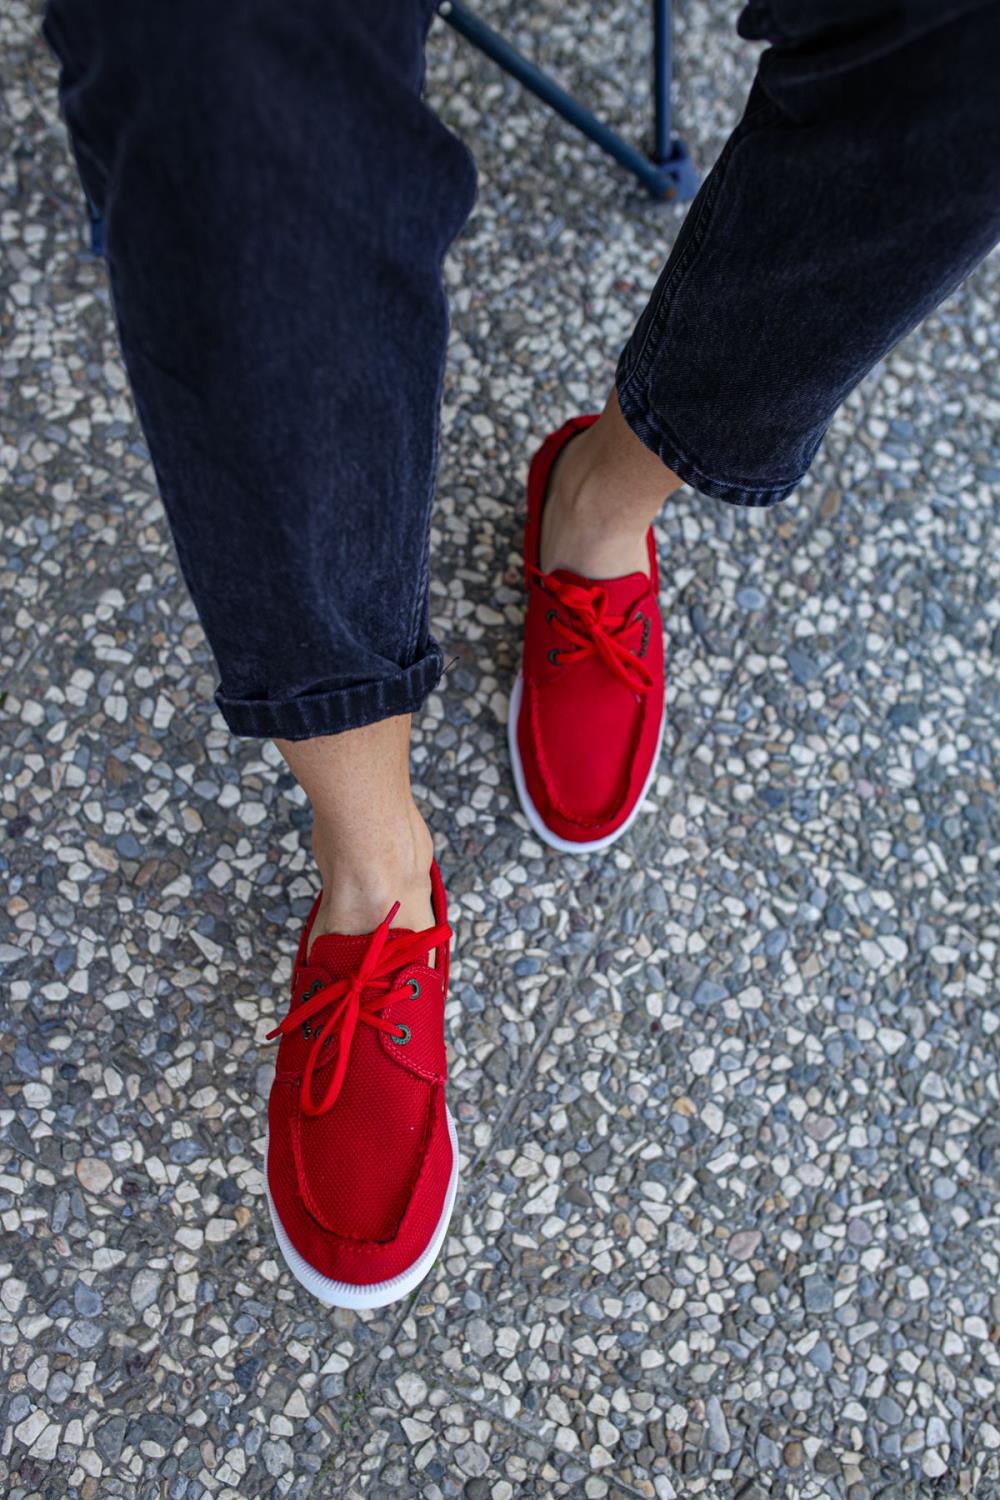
(661,80)
(658,177)
(96,230)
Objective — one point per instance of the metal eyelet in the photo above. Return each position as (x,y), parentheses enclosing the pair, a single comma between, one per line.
(401,1041)
(314,989)
(415,987)
(554,656)
(308,1031)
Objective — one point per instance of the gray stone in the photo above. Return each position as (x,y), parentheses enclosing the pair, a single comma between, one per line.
(718,1432)
(145,1288)
(472,1458)
(109,1438)
(821,1355)
(278,1458)
(750,598)
(709,993)
(744,1244)
(818,1294)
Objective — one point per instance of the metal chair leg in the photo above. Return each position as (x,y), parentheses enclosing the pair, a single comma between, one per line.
(668,173)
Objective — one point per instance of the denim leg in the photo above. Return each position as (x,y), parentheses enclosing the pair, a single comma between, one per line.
(277,202)
(861,185)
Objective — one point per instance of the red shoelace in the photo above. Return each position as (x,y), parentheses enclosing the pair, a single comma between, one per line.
(591,629)
(359,998)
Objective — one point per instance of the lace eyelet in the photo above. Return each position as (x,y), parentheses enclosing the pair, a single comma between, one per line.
(415,987)
(554,656)
(308,1031)
(313,989)
(638,617)
(551,615)
(401,1041)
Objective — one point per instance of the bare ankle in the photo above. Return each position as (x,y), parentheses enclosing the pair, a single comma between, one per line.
(604,493)
(580,530)
(362,882)
(371,844)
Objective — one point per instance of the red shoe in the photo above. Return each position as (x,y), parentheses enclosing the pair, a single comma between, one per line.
(586,713)
(362,1157)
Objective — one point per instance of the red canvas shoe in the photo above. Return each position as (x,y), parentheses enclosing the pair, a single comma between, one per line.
(362,1157)
(586,713)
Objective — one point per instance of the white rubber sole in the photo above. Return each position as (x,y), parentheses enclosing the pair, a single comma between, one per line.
(376,1293)
(534,817)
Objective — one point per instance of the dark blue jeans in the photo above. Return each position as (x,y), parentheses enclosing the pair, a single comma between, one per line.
(277,202)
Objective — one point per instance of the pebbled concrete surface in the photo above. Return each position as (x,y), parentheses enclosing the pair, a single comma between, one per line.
(727,1095)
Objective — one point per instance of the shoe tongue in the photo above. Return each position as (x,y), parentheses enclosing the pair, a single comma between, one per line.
(622,592)
(340,953)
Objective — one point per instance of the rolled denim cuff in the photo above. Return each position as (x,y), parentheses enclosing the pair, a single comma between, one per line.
(317,713)
(649,428)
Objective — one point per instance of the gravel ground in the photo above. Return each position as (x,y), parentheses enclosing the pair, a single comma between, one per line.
(727,1096)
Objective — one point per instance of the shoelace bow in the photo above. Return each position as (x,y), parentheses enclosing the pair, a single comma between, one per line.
(374,974)
(592,629)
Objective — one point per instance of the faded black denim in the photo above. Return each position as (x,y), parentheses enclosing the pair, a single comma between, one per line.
(277,202)
(861,185)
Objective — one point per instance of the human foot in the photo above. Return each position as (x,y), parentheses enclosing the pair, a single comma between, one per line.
(371,845)
(586,713)
(603,490)
(360,883)
(362,1157)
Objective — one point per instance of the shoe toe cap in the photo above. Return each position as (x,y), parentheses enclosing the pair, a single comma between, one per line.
(581,774)
(360,1204)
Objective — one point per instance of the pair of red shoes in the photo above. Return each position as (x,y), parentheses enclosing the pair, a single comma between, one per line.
(362,1157)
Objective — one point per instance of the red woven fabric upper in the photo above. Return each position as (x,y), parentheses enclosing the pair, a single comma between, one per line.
(360,1185)
(589,725)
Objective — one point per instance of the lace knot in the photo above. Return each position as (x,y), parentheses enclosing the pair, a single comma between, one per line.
(357,1000)
(593,630)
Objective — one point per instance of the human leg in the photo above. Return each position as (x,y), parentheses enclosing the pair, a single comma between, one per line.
(277,202)
(861,185)
(859,188)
